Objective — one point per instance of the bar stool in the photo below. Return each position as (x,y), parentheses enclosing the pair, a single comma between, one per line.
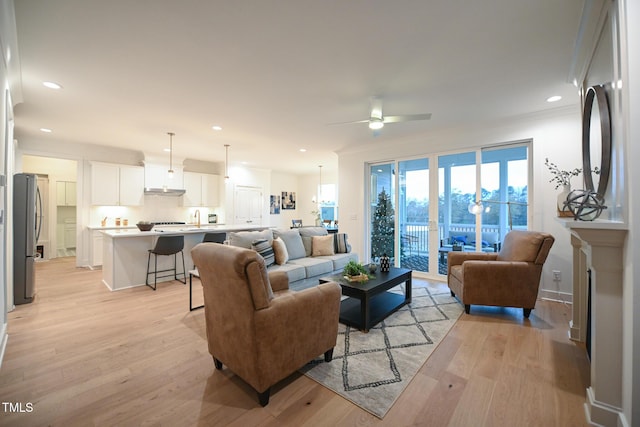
(166,245)
(214,237)
(208,238)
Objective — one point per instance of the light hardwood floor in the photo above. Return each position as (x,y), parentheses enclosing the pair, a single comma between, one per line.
(82,355)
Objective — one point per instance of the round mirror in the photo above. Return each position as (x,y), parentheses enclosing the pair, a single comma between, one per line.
(596,140)
(595,148)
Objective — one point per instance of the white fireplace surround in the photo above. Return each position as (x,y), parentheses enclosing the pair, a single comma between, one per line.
(598,246)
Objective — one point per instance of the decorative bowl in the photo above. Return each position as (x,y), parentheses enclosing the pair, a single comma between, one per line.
(145,226)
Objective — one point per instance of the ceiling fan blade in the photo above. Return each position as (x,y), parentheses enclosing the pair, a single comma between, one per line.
(376,108)
(348,123)
(406,118)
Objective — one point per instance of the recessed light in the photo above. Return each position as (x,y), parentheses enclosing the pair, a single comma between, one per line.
(303,150)
(554,98)
(168,150)
(216,127)
(52,85)
(45,130)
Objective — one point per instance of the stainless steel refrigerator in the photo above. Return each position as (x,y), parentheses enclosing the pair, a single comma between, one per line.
(27,222)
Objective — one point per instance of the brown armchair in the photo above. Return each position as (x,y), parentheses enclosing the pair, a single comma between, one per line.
(255,325)
(509,278)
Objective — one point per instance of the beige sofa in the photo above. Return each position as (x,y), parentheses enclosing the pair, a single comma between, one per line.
(302,265)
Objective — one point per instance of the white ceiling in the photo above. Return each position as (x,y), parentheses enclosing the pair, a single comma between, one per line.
(274,73)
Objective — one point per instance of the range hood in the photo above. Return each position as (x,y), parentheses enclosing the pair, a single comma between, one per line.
(163,191)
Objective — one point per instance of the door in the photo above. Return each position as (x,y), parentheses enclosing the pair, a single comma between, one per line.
(456,191)
(505,177)
(248,205)
(413,213)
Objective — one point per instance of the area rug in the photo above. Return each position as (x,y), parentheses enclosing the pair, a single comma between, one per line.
(372,369)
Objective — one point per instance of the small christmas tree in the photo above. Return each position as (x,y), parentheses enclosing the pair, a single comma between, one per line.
(382,228)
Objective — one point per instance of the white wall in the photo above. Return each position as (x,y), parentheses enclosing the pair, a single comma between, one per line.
(630,73)
(5,278)
(10,84)
(57,169)
(555,134)
(286,182)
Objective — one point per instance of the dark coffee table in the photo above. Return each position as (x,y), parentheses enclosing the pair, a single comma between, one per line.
(368,303)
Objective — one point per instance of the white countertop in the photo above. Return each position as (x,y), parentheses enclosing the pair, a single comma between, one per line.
(133,226)
(173,229)
(111,227)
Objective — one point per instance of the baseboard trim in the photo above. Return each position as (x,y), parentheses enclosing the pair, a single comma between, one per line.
(602,414)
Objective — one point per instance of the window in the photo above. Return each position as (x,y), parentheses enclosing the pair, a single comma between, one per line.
(327,202)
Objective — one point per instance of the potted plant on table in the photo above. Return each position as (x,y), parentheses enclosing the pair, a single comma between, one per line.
(355,272)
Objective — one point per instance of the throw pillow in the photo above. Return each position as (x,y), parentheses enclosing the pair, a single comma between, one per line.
(307,233)
(322,245)
(244,239)
(313,231)
(459,239)
(264,249)
(341,246)
(280,251)
(293,242)
(307,243)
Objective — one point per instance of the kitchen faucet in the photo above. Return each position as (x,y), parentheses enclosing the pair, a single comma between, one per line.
(198,216)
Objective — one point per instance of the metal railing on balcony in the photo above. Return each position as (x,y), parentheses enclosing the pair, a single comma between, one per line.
(414,237)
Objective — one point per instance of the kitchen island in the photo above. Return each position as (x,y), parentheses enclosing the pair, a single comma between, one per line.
(125,251)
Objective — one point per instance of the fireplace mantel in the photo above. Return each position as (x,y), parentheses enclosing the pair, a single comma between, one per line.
(598,246)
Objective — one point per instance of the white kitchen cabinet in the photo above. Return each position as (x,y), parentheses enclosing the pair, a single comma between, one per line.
(66,193)
(131,185)
(116,185)
(201,190)
(69,234)
(96,248)
(105,184)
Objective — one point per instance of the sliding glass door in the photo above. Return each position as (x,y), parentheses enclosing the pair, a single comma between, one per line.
(456,190)
(505,177)
(413,214)
(478,196)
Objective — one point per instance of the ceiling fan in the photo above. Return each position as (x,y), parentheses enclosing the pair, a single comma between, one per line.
(377,120)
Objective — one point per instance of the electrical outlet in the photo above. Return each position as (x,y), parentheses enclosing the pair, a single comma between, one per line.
(556,275)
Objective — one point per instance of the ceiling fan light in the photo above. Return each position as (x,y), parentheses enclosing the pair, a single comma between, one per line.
(375,124)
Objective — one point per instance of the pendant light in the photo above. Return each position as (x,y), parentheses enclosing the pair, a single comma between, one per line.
(170,171)
(226,161)
(320,191)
